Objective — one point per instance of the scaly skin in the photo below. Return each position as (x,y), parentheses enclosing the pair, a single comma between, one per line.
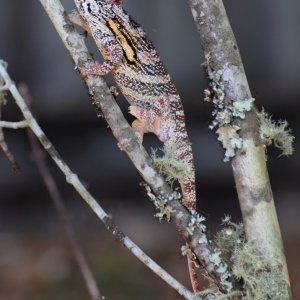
(144,81)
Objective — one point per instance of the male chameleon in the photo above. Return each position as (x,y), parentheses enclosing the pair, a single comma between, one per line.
(143,79)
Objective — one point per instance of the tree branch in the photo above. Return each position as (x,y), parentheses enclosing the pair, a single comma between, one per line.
(231,89)
(129,143)
(73,179)
(39,158)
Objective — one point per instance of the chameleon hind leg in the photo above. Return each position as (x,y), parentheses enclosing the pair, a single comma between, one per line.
(150,120)
(140,128)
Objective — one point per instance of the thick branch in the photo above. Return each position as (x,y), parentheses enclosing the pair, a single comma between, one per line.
(249,164)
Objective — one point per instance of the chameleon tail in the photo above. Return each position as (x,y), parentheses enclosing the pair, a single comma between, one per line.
(193,273)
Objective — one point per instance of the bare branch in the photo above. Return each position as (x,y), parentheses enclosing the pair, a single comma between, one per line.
(39,158)
(73,179)
(3,144)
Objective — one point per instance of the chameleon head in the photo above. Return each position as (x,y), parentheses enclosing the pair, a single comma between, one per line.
(98,9)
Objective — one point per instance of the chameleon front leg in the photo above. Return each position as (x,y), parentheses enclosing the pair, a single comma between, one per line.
(107,44)
(113,54)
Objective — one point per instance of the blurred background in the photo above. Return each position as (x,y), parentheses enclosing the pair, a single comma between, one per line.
(35,259)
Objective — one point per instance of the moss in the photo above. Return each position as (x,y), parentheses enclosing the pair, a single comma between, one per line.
(276,132)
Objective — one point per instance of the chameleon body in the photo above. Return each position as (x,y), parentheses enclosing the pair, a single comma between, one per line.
(141,76)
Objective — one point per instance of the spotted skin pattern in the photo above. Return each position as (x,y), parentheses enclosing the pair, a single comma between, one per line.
(143,79)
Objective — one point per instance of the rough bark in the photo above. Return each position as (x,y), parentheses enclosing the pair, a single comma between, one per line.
(249,163)
(128,142)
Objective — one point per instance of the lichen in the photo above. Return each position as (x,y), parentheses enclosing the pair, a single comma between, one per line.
(262,276)
(169,165)
(3,100)
(162,203)
(230,139)
(276,132)
(3,94)
(164,210)
(240,107)
(196,221)
(225,113)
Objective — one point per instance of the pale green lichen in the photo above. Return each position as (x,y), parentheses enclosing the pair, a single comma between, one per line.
(224,114)
(276,132)
(203,239)
(196,221)
(262,276)
(215,258)
(161,203)
(3,94)
(240,107)
(3,100)
(230,139)
(164,210)
(169,165)
(222,269)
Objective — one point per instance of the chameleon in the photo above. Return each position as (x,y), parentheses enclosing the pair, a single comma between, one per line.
(132,59)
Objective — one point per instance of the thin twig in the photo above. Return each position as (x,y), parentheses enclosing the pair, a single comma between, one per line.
(129,143)
(39,158)
(13,125)
(4,147)
(73,179)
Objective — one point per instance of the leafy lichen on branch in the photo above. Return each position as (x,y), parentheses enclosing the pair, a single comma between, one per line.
(230,139)
(261,276)
(224,113)
(276,132)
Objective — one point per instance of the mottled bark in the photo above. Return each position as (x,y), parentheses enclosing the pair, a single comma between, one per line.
(249,163)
